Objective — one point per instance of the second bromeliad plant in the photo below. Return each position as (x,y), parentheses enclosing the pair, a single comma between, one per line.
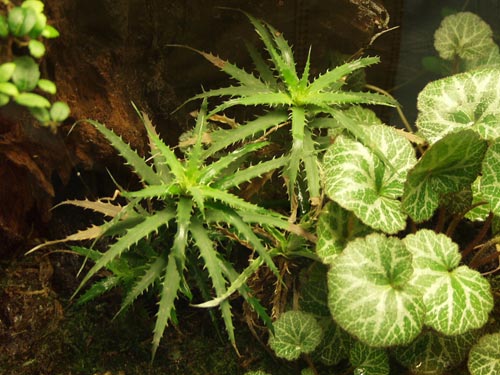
(384,285)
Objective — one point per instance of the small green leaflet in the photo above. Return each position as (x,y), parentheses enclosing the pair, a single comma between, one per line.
(368,360)
(450,165)
(490,181)
(369,293)
(359,182)
(433,353)
(295,332)
(484,357)
(335,228)
(462,101)
(457,298)
(464,35)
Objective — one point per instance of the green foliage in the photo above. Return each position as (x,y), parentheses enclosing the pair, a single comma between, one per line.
(280,86)
(193,200)
(295,333)
(370,295)
(433,353)
(457,299)
(368,361)
(464,35)
(366,284)
(25,26)
(484,357)
(450,165)
(358,180)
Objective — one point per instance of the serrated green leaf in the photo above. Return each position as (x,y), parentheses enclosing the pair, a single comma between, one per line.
(36,48)
(450,165)
(325,81)
(21,21)
(6,71)
(484,357)
(335,228)
(224,138)
(9,89)
(26,73)
(457,298)
(463,34)
(295,333)
(133,235)
(433,353)
(210,257)
(490,187)
(143,170)
(28,99)
(47,86)
(370,295)
(464,101)
(153,274)
(166,307)
(368,361)
(59,111)
(358,181)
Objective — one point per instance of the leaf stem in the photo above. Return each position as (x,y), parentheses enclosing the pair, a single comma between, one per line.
(310,363)
(479,236)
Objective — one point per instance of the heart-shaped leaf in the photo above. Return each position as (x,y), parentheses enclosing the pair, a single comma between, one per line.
(335,228)
(484,357)
(369,293)
(433,353)
(295,332)
(360,182)
(463,34)
(457,298)
(463,101)
(450,165)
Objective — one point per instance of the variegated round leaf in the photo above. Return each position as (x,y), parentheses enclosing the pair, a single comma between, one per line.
(463,34)
(433,353)
(457,299)
(358,181)
(335,228)
(369,294)
(462,101)
(450,165)
(484,357)
(295,332)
